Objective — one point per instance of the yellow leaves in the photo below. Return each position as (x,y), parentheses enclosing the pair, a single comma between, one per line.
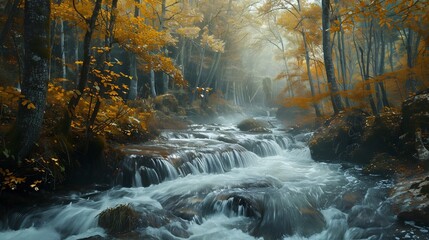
(189,32)
(216,45)
(35,184)
(10,180)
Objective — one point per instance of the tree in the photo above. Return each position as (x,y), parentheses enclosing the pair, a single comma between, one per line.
(36,75)
(327,56)
(74,101)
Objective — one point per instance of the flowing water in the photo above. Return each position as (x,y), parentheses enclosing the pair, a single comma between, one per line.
(215,182)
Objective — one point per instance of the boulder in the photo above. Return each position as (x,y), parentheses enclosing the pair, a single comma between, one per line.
(380,135)
(411,200)
(166,103)
(120,219)
(338,136)
(415,126)
(356,137)
(253,125)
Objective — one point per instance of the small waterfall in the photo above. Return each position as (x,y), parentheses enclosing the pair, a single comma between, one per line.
(218,161)
(137,177)
(262,147)
(147,170)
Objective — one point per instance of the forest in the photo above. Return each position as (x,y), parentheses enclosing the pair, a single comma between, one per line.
(117,106)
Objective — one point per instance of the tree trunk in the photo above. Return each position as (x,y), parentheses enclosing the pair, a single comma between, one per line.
(63,54)
(76,53)
(74,101)
(411,83)
(132,94)
(327,56)
(308,65)
(381,71)
(108,43)
(165,77)
(152,83)
(36,72)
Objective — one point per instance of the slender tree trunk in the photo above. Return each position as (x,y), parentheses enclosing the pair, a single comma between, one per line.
(132,94)
(152,83)
(74,101)
(200,70)
(165,77)
(308,65)
(108,43)
(342,57)
(381,71)
(411,81)
(36,75)
(76,54)
(327,56)
(63,53)
(365,77)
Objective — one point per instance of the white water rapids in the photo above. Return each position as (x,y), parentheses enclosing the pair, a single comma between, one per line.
(220,183)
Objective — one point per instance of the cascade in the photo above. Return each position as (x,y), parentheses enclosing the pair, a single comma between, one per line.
(214,182)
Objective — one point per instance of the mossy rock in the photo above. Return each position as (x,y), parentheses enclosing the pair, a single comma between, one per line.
(385,165)
(415,118)
(252,124)
(166,103)
(120,219)
(380,135)
(338,136)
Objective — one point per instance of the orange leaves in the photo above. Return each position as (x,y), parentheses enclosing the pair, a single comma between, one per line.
(215,44)
(9,180)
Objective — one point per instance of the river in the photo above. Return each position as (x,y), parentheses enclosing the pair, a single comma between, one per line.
(214,182)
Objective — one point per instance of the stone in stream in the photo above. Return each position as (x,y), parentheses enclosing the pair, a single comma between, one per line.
(120,219)
(338,136)
(125,222)
(273,213)
(253,125)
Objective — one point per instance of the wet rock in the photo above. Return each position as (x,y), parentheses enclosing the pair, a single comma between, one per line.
(227,139)
(415,125)
(339,135)
(380,135)
(163,121)
(350,199)
(359,138)
(158,218)
(96,237)
(120,219)
(411,200)
(252,125)
(260,130)
(365,217)
(385,165)
(296,217)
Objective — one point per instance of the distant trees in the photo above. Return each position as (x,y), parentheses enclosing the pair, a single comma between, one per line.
(376,49)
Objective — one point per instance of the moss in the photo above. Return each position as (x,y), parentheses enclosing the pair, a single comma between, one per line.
(250,124)
(120,219)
